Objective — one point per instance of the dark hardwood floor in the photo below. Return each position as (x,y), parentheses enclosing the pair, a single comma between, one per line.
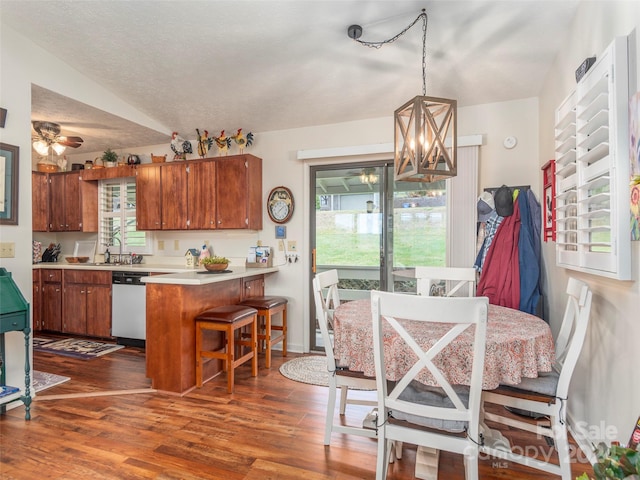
(270,428)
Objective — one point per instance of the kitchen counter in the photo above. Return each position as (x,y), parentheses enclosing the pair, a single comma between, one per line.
(112,267)
(203,277)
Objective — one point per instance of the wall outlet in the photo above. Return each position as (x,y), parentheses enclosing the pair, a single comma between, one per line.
(160,244)
(7,250)
(176,244)
(281,245)
(292,245)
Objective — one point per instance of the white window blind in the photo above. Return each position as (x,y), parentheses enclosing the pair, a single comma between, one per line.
(117,229)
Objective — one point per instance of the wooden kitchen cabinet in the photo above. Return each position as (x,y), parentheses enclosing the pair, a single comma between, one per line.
(161,197)
(252,287)
(40,201)
(148,198)
(239,192)
(86,304)
(51,308)
(173,181)
(201,199)
(211,193)
(73,203)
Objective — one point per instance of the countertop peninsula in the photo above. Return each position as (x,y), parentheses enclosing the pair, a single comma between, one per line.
(173,302)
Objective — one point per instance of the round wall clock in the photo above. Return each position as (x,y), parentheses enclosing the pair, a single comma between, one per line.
(280,204)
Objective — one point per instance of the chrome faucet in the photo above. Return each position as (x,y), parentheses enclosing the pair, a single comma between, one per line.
(113,239)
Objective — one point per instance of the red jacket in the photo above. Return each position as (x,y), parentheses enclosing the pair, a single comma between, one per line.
(500,278)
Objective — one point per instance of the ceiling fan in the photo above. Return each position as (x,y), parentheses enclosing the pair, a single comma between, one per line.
(48,135)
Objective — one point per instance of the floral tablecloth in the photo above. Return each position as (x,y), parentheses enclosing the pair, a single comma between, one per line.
(518,345)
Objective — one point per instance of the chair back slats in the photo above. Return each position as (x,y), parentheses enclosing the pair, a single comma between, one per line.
(390,310)
(456,278)
(572,332)
(325,304)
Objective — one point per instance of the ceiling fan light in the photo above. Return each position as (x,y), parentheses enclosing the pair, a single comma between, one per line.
(41,147)
(59,149)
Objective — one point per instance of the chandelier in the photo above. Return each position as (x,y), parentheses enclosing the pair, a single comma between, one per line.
(425,139)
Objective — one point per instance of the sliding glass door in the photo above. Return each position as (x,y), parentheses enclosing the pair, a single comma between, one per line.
(367,226)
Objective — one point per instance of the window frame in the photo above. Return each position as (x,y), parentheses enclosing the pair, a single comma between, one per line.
(123,216)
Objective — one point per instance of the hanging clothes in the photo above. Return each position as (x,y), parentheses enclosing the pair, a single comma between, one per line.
(500,278)
(491,227)
(528,260)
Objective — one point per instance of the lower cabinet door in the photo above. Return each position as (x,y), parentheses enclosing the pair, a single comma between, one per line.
(99,311)
(52,307)
(74,309)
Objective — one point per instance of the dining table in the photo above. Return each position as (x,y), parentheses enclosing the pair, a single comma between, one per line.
(519,345)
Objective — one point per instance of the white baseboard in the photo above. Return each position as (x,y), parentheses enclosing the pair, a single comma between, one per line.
(581,436)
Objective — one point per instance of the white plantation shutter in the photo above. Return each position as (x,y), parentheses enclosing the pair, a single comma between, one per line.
(117,199)
(592,170)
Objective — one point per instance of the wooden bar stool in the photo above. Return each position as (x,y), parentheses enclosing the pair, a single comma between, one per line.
(267,307)
(228,319)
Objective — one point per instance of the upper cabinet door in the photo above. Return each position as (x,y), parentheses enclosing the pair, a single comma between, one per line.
(72,202)
(201,195)
(239,192)
(148,199)
(40,201)
(174,196)
(57,217)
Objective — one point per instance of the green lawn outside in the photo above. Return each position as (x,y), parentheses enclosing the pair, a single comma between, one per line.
(419,238)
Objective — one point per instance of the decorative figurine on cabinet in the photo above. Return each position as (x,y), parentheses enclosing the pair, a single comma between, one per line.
(223,142)
(204,143)
(180,147)
(243,140)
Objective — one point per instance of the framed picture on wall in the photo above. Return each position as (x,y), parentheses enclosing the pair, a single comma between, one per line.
(8,184)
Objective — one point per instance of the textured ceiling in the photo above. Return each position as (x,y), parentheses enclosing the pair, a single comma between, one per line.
(272,65)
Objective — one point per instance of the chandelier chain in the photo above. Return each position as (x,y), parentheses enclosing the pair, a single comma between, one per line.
(423,16)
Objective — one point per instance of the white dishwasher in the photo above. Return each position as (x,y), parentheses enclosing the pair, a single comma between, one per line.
(129,308)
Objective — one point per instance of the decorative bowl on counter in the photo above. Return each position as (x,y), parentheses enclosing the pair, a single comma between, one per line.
(214,267)
(77,259)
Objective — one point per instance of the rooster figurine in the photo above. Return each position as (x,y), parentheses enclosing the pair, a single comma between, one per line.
(180,147)
(223,142)
(242,140)
(204,143)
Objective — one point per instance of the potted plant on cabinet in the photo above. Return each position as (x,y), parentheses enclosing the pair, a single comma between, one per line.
(109,158)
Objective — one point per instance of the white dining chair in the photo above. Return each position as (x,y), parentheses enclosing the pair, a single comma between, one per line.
(443,417)
(457,279)
(338,378)
(547,395)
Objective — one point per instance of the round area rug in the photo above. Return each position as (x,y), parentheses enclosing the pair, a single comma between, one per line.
(311,369)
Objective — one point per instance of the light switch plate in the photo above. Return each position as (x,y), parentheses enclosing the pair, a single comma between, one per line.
(7,250)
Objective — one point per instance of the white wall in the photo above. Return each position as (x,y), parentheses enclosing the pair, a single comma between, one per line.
(601,394)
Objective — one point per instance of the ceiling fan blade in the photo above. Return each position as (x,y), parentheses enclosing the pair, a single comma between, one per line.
(68,143)
(73,142)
